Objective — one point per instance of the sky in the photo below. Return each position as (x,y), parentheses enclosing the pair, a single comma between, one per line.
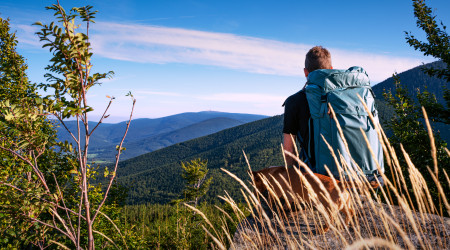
(231,56)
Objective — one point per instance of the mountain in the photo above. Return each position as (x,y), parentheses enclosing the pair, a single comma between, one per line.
(183,134)
(156,177)
(146,135)
(415,79)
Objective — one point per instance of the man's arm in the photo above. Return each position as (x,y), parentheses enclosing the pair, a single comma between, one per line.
(288,144)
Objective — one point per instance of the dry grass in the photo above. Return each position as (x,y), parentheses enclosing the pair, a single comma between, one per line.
(375,225)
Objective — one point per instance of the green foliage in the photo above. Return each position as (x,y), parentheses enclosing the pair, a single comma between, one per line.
(47,195)
(437,111)
(70,73)
(438,46)
(194,172)
(409,133)
(27,140)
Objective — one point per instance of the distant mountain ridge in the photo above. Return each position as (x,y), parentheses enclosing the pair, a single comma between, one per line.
(146,135)
(415,79)
(193,131)
(156,177)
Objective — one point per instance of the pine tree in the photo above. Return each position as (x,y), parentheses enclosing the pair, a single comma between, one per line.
(194,172)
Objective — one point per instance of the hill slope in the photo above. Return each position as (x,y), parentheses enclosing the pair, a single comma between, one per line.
(413,80)
(184,134)
(156,177)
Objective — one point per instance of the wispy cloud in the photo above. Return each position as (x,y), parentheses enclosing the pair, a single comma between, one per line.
(28,36)
(160,45)
(154,44)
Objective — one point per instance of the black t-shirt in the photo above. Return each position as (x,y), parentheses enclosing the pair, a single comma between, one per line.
(297,122)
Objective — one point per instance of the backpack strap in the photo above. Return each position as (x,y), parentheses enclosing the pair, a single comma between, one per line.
(303,154)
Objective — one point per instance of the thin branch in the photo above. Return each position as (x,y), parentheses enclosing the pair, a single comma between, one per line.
(79,221)
(101,120)
(51,226)
(116,164)
(67,129)
(38,172)
(59,244)
(80,161)
(106,237)
(63,222)
(18,155)
(64,204)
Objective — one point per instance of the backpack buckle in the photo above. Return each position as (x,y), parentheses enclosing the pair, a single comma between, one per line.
(323,98)
(374,113)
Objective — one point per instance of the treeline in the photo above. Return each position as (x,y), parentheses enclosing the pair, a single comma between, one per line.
(152,226)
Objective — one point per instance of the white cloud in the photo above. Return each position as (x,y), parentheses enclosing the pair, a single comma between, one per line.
(28,36)
(154,44)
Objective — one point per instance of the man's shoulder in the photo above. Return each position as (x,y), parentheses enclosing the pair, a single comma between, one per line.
(300,96)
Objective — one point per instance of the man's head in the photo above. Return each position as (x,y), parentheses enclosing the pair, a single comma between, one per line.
(317,58)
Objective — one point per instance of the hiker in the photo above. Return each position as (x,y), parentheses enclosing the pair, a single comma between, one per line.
(297,123)
(308,120)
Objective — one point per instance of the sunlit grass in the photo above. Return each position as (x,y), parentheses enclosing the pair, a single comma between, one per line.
(392,217)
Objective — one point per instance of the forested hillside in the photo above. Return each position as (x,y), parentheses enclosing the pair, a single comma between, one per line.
(156,177)
(415,79)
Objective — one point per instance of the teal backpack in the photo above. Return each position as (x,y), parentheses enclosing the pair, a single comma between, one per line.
(339,88)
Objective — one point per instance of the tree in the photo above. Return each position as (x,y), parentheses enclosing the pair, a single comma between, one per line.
(407,125)
(194,172)
(59,184)
(438,46)
(27,140)
(409,132)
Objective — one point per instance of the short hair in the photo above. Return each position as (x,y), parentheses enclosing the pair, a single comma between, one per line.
(318,58)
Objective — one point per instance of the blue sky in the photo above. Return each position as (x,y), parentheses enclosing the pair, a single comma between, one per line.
(231,56)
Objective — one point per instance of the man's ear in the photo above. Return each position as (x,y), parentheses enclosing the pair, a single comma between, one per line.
(306,72)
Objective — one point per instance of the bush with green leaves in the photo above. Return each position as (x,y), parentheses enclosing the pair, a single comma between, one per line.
(29,153)
(47,191)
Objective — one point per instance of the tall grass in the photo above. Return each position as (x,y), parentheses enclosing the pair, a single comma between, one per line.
(393,216)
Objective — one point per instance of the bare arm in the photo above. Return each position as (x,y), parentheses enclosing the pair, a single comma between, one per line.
(288,144)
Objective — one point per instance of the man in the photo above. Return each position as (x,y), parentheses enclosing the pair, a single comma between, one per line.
(297,122)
